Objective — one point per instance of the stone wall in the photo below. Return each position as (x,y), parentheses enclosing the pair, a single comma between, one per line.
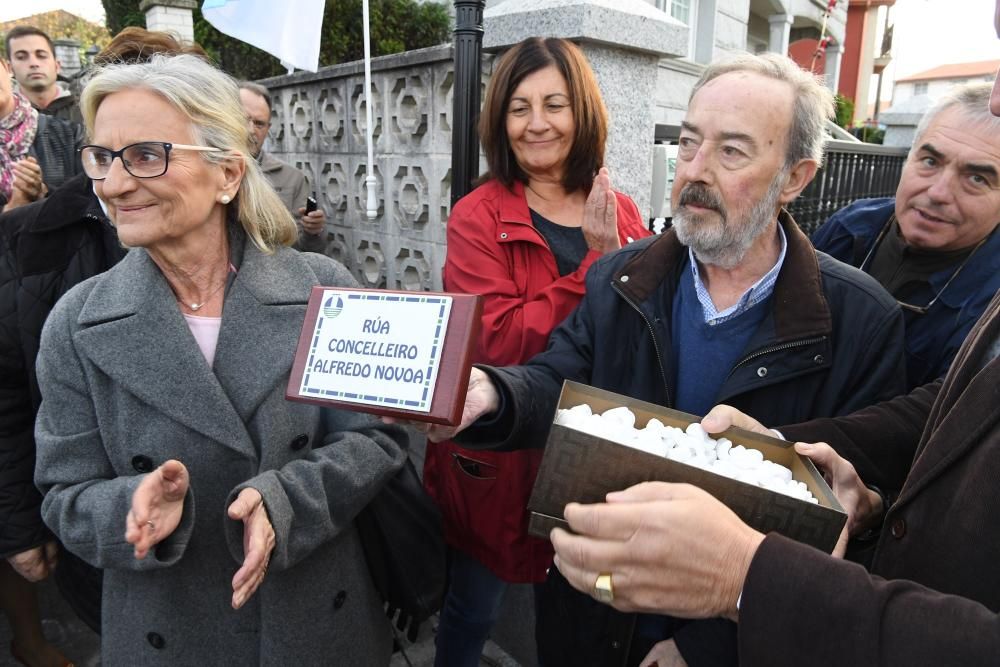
(319,125)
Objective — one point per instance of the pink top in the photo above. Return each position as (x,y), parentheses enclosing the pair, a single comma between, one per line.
(206,333)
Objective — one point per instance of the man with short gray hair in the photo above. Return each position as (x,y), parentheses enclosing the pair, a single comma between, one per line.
(289,182)
(933,245)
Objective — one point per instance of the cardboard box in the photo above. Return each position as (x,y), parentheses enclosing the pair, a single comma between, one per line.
(579,467)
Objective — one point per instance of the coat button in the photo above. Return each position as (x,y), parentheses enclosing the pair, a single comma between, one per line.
(503,235)
(156,640)
(819,358)
(339,600)
(615,644)
(299,441)
(898,528)
(624,279)
(761,372)
(142,463)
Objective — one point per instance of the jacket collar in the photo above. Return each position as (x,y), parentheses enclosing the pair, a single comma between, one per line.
(800,307)
(155,357)
(515,217)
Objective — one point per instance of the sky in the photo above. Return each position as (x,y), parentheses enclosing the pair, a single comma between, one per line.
(927,32)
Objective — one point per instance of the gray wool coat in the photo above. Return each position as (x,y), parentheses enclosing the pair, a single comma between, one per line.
(125,387)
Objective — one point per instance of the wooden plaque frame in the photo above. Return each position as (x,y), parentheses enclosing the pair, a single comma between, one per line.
(455,362)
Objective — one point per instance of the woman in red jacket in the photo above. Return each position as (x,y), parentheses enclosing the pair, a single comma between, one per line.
(524,239)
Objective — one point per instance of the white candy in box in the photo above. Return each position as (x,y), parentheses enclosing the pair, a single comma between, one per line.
(601,442)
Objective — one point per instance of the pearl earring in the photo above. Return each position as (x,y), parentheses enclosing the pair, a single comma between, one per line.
(225,199)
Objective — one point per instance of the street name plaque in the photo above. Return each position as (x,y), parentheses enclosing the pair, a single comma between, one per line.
(395,353)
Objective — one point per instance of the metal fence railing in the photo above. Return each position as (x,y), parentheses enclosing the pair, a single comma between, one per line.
(851,171)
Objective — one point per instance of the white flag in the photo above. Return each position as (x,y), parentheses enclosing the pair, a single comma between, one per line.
(289,30)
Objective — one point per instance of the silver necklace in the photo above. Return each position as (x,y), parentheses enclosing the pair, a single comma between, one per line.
(198,306)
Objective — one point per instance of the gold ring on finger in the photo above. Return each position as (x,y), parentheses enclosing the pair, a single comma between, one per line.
(604,589)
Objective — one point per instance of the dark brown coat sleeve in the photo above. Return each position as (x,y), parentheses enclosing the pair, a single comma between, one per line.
(880,441)
(804,607)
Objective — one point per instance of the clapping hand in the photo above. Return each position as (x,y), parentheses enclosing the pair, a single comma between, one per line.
(28,183)
(258,542)
(157,506)
(600,215)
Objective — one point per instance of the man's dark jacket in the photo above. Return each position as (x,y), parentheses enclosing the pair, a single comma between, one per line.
(45,249)
(933,594)
(832,343)
(932,339)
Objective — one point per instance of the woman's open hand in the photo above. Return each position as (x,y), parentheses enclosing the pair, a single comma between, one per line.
(157,506)
(600,215)
(258,542)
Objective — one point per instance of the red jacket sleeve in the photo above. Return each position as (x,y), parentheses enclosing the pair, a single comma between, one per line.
(516,325)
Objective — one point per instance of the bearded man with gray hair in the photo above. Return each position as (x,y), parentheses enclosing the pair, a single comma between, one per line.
(731,305)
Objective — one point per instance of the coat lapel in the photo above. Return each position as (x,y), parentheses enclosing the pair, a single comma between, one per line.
(134,332)
(263,316)
(977,389)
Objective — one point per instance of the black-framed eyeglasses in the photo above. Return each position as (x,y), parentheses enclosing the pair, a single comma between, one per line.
(920,310)
(147,159)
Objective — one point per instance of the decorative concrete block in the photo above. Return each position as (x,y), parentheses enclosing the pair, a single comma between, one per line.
(318,124)
(411,206)
(413,267)
(301,121)
(340,246)
(359,118)
(332,117)
(335,187)
(370,253)
(409,110)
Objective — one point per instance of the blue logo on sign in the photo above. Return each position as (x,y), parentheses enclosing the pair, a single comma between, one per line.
(331,309)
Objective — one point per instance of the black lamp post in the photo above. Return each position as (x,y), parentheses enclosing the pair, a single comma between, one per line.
(465,115)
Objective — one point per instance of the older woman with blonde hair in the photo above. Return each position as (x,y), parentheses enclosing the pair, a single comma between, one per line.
(168,455)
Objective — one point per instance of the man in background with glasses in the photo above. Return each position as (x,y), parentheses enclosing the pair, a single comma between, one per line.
(287,181)
(933,245)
